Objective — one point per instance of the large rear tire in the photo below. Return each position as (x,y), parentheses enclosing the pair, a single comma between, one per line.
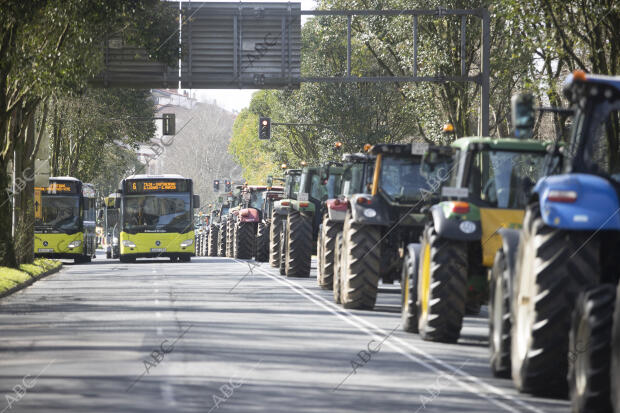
(244,240)
(262,242)
(230,236)
(499,317)
(299,244)
(442,287)
(326,247)
(361,254)
(283,244)
(338,269)
(589,350)
(409,291)
(212,241)
(221,240)
(615,356)
(553,267)
(275,236)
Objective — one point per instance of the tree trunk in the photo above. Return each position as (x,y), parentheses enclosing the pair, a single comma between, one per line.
(7,253)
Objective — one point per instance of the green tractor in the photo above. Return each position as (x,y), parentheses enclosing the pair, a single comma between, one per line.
(279,213)
(356,178)
(213,229)
(486,190)
(378,225)
(273,194)
(236,201)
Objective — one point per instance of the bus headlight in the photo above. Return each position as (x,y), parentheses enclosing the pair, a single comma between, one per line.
(187,243)
(74,244)
(129,244)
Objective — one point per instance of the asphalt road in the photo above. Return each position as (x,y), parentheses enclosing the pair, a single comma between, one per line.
(213,335)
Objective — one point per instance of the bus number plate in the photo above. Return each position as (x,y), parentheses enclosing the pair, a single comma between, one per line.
(158,250)
(46,250)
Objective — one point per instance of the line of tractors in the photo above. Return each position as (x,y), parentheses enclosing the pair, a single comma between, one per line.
(530,228)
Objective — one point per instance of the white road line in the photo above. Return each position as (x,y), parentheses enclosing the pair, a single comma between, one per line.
(363,325)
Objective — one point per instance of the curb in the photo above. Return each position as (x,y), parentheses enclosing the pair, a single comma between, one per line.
(30,281)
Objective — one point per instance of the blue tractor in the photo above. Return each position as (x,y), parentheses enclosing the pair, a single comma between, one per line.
(553,287)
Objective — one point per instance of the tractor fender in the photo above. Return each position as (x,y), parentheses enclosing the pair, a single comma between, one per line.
(280,209)
(455,226)
(373,213)
(336,211)
(510,245)
(595,208)
(249,215)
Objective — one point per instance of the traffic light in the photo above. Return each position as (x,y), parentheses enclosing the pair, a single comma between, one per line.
(264,128)
(523,115)
(168,124)
(216,185)
(227,186)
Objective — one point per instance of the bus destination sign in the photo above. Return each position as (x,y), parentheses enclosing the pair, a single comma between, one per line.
(60,188)
(146,186)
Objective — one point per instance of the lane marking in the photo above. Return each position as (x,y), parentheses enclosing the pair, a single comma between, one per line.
(365,326)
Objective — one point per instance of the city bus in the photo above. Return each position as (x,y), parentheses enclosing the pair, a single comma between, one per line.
(65,220)
(157,218)
(111,225)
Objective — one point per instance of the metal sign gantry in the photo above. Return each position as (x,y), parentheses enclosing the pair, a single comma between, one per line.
(258,46)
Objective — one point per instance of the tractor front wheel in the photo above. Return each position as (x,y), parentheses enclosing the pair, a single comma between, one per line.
(499,317)
(299,244)
(326,249)
(442,287)
(275,237)
(262,242)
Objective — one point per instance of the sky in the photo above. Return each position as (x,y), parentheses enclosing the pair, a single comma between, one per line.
(236,99)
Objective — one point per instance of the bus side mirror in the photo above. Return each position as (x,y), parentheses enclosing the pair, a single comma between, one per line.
(196,201)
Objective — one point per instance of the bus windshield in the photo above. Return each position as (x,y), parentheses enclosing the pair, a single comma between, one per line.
(61,213)
(157,213)
(111,220)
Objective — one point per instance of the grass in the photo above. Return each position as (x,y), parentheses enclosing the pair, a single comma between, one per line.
(10,277)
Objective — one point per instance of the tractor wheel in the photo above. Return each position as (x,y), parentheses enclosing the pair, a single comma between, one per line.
(283,244)
(409,292)
(615,356)
(212,241)
(108,254)
(299,244)
(230,234)
(337,282)
(326,246)
(275,236)
(262,242)
(244,240)
(442,287)
(553,267)
(589,349)
(221,240)
(361,253)
(499,317)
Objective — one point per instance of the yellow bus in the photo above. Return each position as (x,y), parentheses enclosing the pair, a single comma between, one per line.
(157,218)
(65,220)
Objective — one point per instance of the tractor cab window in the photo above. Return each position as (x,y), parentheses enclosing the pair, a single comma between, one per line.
(401,179)
(295,182)
(332,187)
(256,199)
(503,179)
(353,180)
(602,150)
(317,189)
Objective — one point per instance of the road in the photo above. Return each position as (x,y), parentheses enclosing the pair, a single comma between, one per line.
(219,334)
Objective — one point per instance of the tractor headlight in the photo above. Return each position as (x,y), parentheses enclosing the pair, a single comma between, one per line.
(187,243)
(370,213)
(75,244)
(129,244)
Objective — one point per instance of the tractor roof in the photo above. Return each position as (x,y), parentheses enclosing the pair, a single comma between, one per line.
(356,157)
(506,144)
(292,172)
(398,149)
(578,83)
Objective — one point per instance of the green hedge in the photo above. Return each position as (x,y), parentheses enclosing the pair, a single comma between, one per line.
(10,277)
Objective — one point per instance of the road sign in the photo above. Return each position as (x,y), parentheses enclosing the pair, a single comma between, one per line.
(38,208)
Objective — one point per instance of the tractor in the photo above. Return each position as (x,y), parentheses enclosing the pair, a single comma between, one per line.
(446,275)
(378,225)
(219,235)
(279,213)
(248,221)
(558,279)
(300,230)
(231,219)
(356,178)
(213,230)
(273,194)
